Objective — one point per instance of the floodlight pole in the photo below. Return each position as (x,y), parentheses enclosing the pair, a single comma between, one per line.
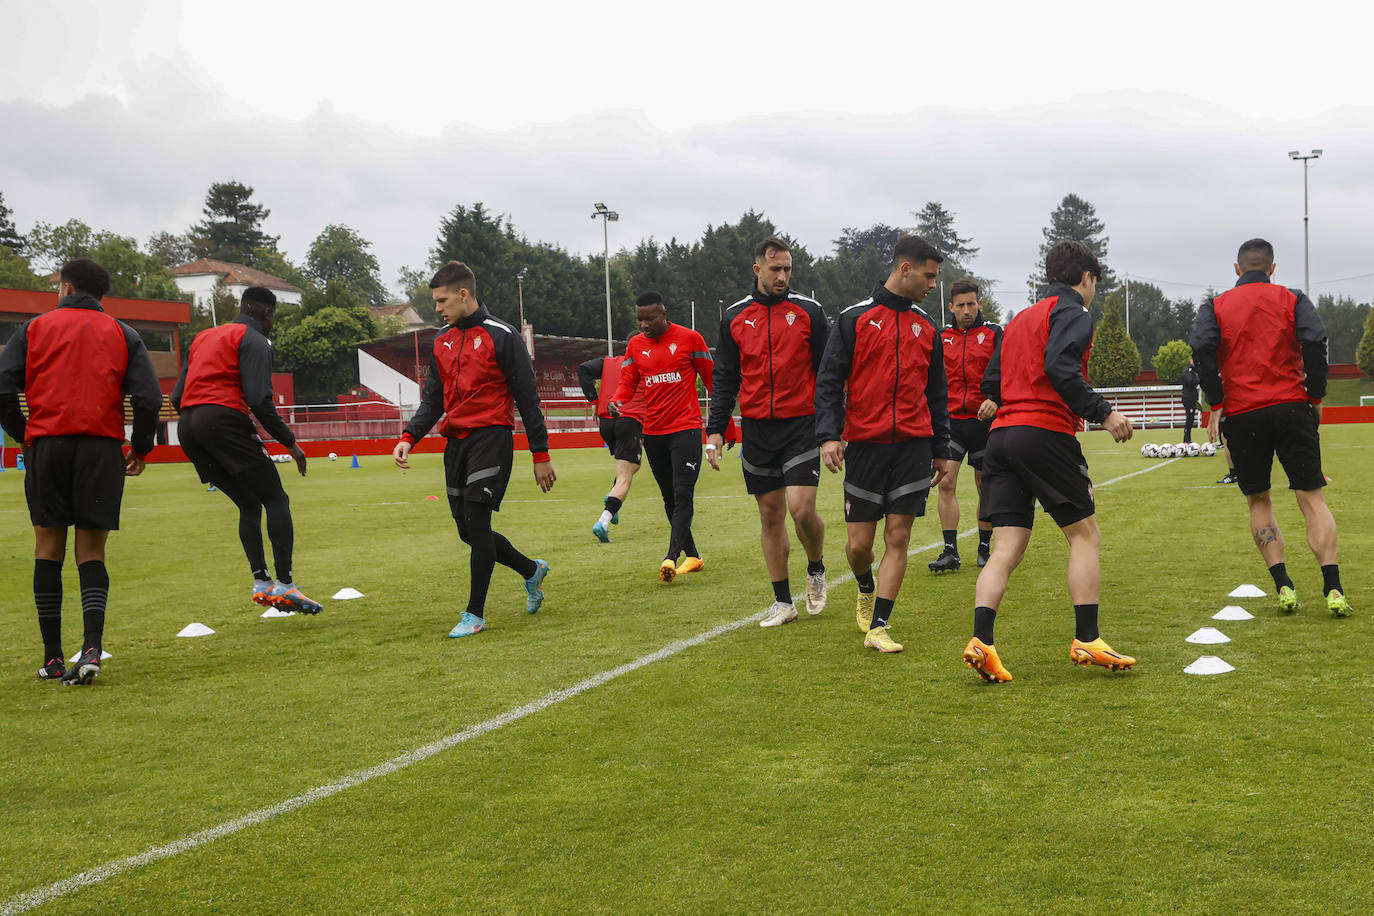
(607,216)
(1306,257)
(520,291)
(1128,304)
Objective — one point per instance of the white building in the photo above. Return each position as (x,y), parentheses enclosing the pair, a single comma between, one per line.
(201,277)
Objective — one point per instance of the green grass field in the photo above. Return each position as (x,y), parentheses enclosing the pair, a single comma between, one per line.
(760,770)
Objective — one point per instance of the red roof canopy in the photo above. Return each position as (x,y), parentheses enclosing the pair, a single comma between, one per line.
(32,302)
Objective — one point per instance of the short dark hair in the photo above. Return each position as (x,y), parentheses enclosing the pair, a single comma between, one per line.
(454,273)
(1256,254)
(770,245)
(260,296)
(963,286)
(916,250)
(87,276)
(1068,260)
(649,297)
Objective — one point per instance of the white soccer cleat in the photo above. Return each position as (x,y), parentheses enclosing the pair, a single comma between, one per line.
(815,593)
(779,614)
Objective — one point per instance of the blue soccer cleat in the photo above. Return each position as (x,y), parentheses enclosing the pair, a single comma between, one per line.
(286,597)
(615,516)
(534,595)
(601,533)
(468,625)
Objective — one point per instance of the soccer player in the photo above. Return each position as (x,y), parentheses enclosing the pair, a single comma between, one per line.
(968,347)
(771,343)
(1260,351)
(621,434)
(479,372)
(76,364)
(665,360)
(1190,400)
(226,382)
(1038,376)
(881,414)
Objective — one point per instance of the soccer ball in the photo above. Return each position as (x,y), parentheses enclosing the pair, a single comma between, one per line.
(1150,450)
(333,456)
(1145,450)
(1209,449)
(1191,450)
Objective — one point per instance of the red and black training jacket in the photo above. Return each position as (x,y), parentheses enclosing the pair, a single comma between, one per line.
(1259,344)
(967,354)
(1039,374)
(479,373)
(663,370)
(75,364)
(768,356)
(882,377)
(231,366)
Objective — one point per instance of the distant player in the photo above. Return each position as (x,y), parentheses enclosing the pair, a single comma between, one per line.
(1039,377)
(968,346)
(1262,348)
(622,434)
(665,360)
(226,382)
(881,414)
(76,364)
(479,373)
(1191,382)
(770,349)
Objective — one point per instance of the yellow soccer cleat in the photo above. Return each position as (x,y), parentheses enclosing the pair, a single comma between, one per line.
(690,564)
(666,571)
(878,638)
(863,610)
(1098,653)
(1288,601)
(982,658)
(1337,605)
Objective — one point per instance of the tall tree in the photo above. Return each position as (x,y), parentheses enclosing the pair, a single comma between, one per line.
(1344,321)
(1115,360)
(935,224)
(340,257)
(132,272)
(232,227)
(1364,353)
(9,235)
(170,248)
(1075,219)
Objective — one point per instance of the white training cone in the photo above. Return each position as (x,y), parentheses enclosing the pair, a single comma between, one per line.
(103,655)
(1233,612)
(1209,636)
(277,612)
(345,594)
(1208,664)
(1246,591)
(195,629)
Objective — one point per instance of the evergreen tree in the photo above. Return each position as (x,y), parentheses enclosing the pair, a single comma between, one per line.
(341,257)
(1171,360)
(1364,353)
(1074,219)
(232,227)
(935,224)
(1115,361)
(9,235)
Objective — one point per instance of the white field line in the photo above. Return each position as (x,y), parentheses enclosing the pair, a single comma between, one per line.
(37,897)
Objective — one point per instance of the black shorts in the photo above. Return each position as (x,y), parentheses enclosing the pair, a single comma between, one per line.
(477,468)
(969,437)
(1288,431)
(779,453)
(75,480)
(886,478)
(222,443)
(623,436)
(1026,463)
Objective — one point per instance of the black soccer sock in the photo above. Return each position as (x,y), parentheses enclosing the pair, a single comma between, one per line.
(613,504)
(507,555)
(1331,578)
(815,567)
(1280,573)
(1085,622)
(983,619)
(95,593)
(782,591)
(882,609)
(281,532)
(47,597)
(866,583)
(475,529)
(984,538)
(951,540)
(261,574)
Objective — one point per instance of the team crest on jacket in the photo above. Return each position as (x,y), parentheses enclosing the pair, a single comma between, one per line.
(980,336)
(791,317)
(916,328)
(476,342)
(672,348)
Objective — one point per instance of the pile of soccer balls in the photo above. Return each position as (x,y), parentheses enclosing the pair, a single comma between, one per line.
(1182,450)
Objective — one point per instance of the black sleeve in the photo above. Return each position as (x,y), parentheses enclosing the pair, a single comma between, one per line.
(831,381)
(515,363)
(937,398)
(725,378)
(13,371)
(1203,339)
(1070,334)
(1312,339)
(180,388)
(255,377)
(431,404)
(587,374)
(991,385)
(820,333)
(145,395)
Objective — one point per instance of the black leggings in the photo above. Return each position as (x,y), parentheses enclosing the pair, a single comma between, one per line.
(488,549)
(252,493)
(675,460)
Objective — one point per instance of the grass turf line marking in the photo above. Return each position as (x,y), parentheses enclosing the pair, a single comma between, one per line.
(37,897)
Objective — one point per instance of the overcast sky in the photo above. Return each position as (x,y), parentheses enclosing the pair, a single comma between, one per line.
(1173,119)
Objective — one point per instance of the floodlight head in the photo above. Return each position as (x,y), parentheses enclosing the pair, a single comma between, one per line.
(1316,154)
(522,273)
(1293,154)
(600,208)
(612,216)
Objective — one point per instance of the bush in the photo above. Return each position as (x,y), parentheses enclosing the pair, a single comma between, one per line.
(1364,353)
(1171,360)
(1115,361)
